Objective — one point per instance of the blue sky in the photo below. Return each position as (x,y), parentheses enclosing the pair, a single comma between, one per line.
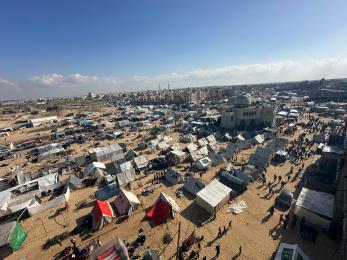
(119,45)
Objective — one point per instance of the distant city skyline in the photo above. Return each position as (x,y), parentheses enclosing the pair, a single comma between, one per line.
(67,48)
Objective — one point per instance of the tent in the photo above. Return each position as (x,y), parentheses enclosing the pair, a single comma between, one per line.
(105,153)
(50,153)
(161,209)
(229,151)
(107,192)
(173,176)
(176,156)
(193,185)
(203,163)
(94,165)
(131,154)
(126,174)
(202,142)
(215,158)
(126,203)
(213,196)
(280,156)
(290,252)
(114,249)
(150,254)
(12,235)
(192,147)
(141,162)
(188,138)
(199,154)
(211,139)
(258,139)
(234,182)
(101,213)
(317,207)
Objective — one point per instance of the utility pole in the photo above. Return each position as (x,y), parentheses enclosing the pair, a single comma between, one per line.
(178,240)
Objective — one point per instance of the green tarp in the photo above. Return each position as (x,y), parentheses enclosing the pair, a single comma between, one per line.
(18,236)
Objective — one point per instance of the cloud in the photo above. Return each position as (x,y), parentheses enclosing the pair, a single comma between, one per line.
(5,83)
(56,84)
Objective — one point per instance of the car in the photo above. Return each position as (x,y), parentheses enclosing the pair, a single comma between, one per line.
(284,200)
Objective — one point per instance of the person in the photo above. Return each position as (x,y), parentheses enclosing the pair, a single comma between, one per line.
(240,250)
(219,232)
(272,210)
(279,178)
(282,184)
(224,230)
(204,258)
(270,189)
(217,250)
(73,242)
(199,246)
(229,226)
(275,178)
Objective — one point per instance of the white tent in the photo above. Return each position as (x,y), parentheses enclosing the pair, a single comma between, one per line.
(105,153)
(92,166)
(126,202)
(202,142)
(213,196)
(141,161)
(126,174)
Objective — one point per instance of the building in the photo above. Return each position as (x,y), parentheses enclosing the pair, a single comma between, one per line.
(246,114)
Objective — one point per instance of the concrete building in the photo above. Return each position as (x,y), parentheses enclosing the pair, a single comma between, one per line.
(246,114)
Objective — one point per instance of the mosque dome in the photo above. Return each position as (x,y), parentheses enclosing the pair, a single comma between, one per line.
(242,101)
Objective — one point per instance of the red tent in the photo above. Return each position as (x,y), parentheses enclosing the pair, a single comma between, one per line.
(101,211)
(159,212)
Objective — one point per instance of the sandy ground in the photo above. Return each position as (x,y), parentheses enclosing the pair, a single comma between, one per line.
(258,235)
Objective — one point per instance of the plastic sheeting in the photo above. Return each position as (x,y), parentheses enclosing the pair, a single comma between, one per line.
(237,207)
(107,192)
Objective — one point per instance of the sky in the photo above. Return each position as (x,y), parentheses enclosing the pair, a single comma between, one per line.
(71,47)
